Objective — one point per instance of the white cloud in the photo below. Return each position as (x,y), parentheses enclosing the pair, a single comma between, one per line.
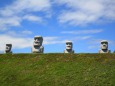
(21,42)
(22,6)
(82,12)
(27,32)
(9,21)
(76,18)
(53,40)
(20,33)
(17,42)
(95,41)
(81,38)
(93,47)
(33,18)
(93,31)
(15,13)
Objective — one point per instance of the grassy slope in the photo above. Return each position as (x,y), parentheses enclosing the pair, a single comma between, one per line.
(57,70)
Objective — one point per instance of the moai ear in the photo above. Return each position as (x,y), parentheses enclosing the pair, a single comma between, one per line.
(42,49)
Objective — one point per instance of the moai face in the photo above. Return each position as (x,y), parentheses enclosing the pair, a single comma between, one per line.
(104,45)
(69,45)
(8,47)
(38,41)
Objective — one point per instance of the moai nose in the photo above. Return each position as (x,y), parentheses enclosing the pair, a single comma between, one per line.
(104,45)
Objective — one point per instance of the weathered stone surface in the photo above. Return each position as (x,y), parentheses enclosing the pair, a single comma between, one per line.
(8,48)
(104,47)
(69,46)
(37,45)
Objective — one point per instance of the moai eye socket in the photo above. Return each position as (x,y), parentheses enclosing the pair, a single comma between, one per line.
(102,42)
(106,43)
(35,38)
(68,43)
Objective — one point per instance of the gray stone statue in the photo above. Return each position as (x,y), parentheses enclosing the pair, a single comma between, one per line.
(8,48)
(69,47)
(37,45)
(104,47)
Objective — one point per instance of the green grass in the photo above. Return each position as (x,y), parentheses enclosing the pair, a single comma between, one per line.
(57,69)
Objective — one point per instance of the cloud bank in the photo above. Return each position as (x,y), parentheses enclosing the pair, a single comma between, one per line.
(20,10)
(82,12)
(92,31)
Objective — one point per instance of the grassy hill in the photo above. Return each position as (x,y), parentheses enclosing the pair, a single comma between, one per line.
(57,69)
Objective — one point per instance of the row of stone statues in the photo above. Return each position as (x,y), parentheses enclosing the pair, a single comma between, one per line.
(38,48)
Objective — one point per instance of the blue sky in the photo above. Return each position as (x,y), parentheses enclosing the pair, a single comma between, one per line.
(84,22)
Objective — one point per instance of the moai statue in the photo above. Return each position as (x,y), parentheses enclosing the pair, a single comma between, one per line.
(8,48)
(104,47)
(37,45)
(69,46)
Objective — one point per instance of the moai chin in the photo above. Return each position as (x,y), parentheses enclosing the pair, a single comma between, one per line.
(8,48)
(37,45)
(69,47)
(104,47)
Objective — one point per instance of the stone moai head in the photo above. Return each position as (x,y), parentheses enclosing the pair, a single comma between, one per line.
(104,45)
(69,45)
(8,47)
(38,40)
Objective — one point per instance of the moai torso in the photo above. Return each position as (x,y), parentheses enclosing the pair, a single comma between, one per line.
(104,51)
(68,51)
(37,45)
(69,46)
(104,47)
(8,48)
